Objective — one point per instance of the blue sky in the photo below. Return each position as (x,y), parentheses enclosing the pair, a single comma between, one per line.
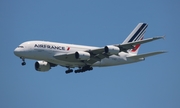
(153,83)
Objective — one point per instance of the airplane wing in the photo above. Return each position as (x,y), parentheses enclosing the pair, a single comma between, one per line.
(145,55)
(99,53)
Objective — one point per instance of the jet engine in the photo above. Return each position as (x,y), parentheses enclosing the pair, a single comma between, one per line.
(82,55)
(111,49)
(42,66)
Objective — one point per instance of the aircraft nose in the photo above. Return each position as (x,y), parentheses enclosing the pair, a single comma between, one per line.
(17,51)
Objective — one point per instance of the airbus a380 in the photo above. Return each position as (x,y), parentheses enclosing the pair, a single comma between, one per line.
(51,54)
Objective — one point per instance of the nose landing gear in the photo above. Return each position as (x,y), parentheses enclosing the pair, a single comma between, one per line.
(23,63)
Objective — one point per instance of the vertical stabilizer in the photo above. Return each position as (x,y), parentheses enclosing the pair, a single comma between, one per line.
(135,35)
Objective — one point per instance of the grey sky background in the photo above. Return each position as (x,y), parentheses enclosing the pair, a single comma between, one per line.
(153,83)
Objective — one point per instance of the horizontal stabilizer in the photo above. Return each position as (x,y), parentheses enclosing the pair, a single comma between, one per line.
(146,55)
(127,46)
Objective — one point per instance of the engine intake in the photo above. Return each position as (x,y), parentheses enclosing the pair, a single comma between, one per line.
(82,55)
(42,66)
(111,49)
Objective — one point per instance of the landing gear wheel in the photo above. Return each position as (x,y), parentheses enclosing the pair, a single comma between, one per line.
(83,69)
(69,71)
(76,71)
(23,63)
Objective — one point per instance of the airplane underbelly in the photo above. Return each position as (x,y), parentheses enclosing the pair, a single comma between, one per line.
(110,62)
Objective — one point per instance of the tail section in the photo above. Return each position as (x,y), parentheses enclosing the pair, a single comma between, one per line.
(135,35)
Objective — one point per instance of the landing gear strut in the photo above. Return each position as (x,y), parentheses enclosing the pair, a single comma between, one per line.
(23,63)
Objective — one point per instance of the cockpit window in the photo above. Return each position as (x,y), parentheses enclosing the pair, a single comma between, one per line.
(20,47)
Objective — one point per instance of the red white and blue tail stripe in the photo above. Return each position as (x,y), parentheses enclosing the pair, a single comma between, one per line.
(136,35)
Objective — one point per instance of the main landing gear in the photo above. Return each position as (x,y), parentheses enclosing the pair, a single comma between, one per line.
(23,63)
(69,70)
(83,69)
(80,70)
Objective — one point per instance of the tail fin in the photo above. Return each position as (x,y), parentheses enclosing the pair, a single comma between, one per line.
(135,35)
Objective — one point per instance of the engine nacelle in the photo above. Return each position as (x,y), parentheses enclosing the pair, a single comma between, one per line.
(111,49)
(82,55)
(42,66)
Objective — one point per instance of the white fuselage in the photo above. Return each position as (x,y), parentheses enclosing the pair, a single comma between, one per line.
(44,50)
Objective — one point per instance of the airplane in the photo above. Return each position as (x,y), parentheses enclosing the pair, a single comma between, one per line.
(84,58)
